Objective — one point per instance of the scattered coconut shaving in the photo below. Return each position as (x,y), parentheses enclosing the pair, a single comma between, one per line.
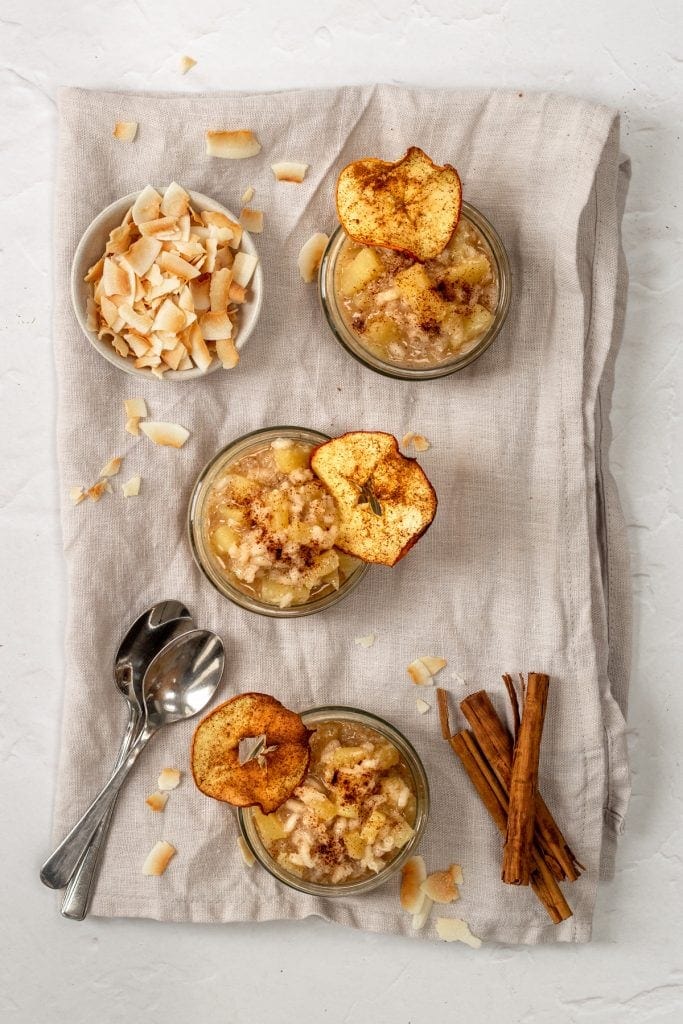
(310,255)
(97,490)
(420,919)
(417,441)
(157,801)
(243,268)
(158,858)
(413,874)
(131,488)
(248,195)
(422,706)
(454,929)
(365,641)
(252,220)
(170,435)
(441,887)
(247,856)
(169,778)
(288,171)
(423,670)
(112,467)
(236,145)
(135,407)
(125,131)
(186,64)
(77,495)
(133,425)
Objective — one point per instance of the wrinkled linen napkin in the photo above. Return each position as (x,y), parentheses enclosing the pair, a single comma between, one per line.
(524,568)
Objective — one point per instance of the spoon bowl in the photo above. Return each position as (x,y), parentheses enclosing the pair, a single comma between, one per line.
(183,677)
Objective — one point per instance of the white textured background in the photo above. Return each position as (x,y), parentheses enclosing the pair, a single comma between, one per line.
(627,53)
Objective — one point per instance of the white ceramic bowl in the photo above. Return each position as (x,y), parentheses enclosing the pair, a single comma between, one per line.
(91,247)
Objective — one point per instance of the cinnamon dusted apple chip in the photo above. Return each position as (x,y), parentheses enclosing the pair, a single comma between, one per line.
(310,255)
(454,929)
(287,171)
(265,781)
(235,145)
(125,131)
(186,64)
(413,875)
(170,435)
(157,801)
(411,205)
(252,220)
(384,500)
(158,858)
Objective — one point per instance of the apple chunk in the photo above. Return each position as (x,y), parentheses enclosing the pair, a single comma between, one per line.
(384,500)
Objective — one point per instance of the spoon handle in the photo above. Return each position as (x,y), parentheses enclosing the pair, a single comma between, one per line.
(60,866)
(77,895)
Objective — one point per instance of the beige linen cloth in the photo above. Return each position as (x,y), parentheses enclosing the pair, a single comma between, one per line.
(524,567)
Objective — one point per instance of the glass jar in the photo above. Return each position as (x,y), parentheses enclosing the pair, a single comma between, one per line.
(249,444)
(350,340)
(410,757)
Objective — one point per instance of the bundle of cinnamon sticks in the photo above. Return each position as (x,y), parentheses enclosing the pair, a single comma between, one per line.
(504,771)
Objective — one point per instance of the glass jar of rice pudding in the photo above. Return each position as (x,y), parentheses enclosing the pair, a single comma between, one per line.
(356,818)
(262,526)
(412,320)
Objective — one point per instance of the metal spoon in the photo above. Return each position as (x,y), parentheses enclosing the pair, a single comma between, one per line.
(145,638)
(179,683)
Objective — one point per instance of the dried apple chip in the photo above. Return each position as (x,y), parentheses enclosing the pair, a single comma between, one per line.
(385,501)
(411,205)
(263,782)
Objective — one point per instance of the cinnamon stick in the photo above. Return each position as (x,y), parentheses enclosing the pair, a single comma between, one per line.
(442,704)
(495,742)
(493,797)
(519,838)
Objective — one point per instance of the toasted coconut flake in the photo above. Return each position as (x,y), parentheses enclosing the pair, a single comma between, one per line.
(77,494)
(422,706)
(422,670)
(215,326)
(174,264)
(157,801)
(158,858)
(114,278)
(120,346)
(186,64)
(310,256)
(456,873)
(133,425)
(131,488)
(365,641)
(440,887)
(236,145)
(413,875)
(97,490)
(112,467)
(248,195)
(164,229)
(219,290)
(174,357)
(169,778)
(420,919)
(286,171)
(147,206)
(176,201)
(454,929)
(243,268)
(227,353)
(198,349)
(95,272)
(171,435)
(169,318)
(137,321)
(135,407)
(252,220)
(418,442)
(125,131)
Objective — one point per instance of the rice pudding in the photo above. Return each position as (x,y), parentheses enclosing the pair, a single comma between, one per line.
(352,815)
(271,526)
(414,314)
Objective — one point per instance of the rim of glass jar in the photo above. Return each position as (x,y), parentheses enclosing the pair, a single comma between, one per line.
(347,339)
(414,763)
(230,453)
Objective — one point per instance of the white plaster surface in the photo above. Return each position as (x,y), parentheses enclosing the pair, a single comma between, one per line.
(627,53)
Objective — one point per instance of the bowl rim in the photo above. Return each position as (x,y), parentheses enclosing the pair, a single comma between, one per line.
(325,712)
(201,488)
(101,222)
(343,336)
